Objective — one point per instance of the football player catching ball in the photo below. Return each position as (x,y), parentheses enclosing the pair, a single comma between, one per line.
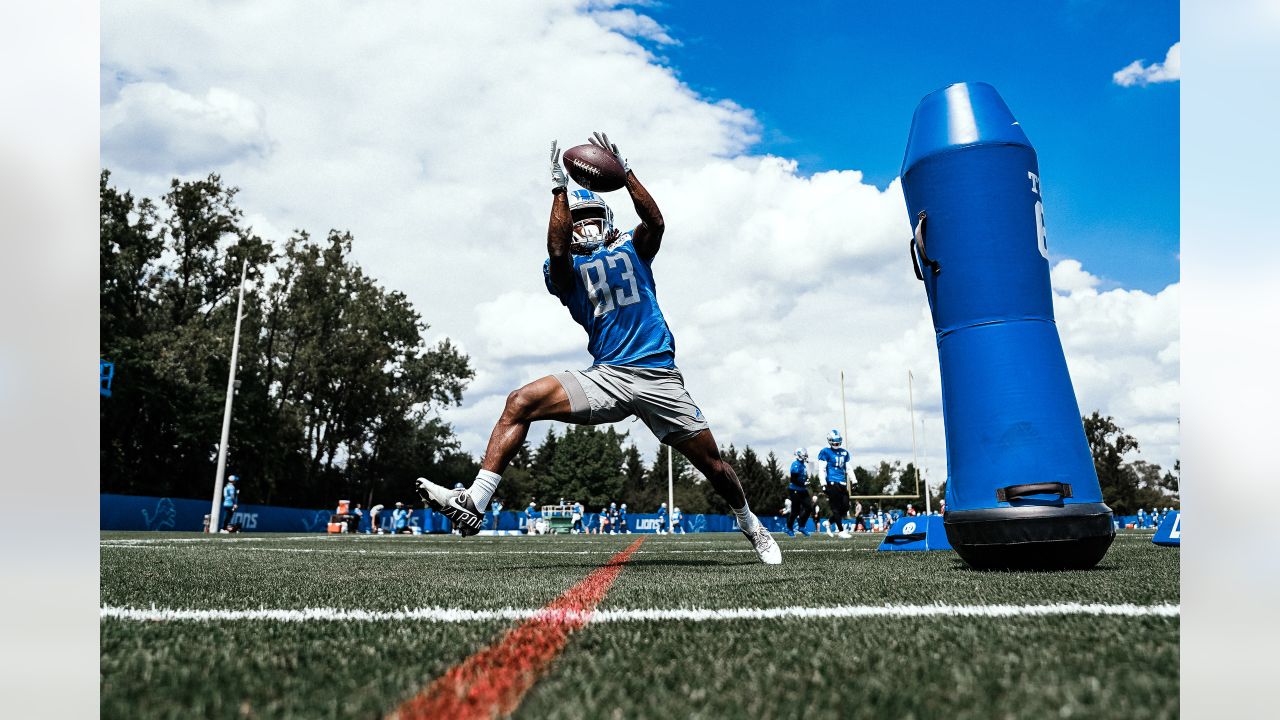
(605,279)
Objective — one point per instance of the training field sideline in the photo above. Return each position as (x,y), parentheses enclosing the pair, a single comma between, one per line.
(612,626)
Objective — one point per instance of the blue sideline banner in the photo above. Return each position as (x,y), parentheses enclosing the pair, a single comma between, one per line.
(132,512)
(137,512)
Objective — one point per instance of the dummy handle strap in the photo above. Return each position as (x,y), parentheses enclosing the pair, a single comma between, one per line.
(915,246)
(1013,492)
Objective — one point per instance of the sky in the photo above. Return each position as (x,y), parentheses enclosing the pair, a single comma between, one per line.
(842,97)
(771,138)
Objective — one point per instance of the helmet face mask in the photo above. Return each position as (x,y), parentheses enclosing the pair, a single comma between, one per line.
(592,221)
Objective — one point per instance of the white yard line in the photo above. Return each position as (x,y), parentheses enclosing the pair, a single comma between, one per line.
(457,615)
(211,539)
(485,540)
(461,552)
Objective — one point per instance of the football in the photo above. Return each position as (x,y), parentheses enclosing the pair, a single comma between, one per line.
(594,168)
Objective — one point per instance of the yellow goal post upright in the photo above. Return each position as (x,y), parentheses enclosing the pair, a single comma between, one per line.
(915,460)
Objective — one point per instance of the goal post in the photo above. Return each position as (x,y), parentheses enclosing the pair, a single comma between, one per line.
(915,460)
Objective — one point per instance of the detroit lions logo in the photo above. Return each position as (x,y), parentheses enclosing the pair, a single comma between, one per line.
(697,523)
(165,516)
(318,521)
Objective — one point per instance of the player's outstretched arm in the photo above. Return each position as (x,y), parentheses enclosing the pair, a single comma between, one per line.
(647,237)
(560,227)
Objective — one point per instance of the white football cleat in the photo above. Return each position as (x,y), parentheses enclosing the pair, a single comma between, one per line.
(766,547)
(453,504)
(844,534)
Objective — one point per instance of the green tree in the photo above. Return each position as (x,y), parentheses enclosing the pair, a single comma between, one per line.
(1109,444)
(881,480)
(541,482)
(337,394)
(588,465)
(778,480)
(764,495)
(167,279)
(635,493)
(939,498)
(689,485)
(1126,486)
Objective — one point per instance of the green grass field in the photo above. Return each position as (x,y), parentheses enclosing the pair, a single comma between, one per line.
(892,666)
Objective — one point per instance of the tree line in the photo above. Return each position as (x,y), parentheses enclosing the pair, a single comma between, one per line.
(337,392)
(339,395)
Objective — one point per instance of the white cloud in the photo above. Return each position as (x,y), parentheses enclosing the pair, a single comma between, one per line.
(1122,349)
(153,127)
(424,129)
(1069,276)
(631,23)
(1137,73)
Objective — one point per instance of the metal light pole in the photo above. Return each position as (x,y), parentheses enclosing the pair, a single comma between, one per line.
(216,509)
(671,493)
(928,493)
(844,414)
(915,459)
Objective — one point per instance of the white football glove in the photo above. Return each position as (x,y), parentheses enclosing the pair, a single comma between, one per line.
(558,178)
(602,141)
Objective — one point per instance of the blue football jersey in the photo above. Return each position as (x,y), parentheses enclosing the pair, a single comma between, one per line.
(836,461)
(799,476)
(614,298)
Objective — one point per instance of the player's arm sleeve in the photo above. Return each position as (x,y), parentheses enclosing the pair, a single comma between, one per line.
(551,284)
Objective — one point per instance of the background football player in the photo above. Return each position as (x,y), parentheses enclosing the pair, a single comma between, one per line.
(833,462)
(800,504)
(605,279)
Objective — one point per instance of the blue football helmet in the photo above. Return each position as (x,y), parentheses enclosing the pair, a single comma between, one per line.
(592,219)
(834,439)
(802,455)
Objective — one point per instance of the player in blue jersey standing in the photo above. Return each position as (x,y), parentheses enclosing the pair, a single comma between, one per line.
(833,463)
(613,518)
(605,279)
(798,494)
(230,501)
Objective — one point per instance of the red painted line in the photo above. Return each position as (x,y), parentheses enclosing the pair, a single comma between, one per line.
(491,683)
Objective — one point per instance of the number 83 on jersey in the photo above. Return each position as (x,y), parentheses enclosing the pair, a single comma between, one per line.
(610,282)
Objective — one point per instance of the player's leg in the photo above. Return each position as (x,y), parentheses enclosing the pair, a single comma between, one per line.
(702,451)
(543,399)
(843,512)
(806,509)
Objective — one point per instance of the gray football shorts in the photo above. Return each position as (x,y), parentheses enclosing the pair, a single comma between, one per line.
(609,393)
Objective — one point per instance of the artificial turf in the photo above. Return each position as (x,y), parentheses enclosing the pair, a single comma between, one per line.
(812,668)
